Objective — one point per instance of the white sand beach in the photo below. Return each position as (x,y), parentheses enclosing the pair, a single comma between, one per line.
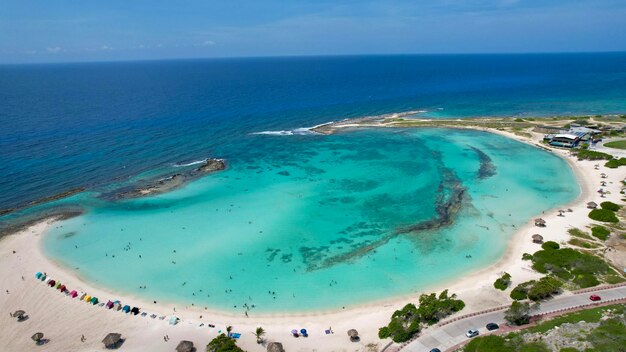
(63,320)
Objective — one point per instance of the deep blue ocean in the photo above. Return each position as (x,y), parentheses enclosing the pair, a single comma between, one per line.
(88,124)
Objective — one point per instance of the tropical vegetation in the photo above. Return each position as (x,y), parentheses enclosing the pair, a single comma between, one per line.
(603,215)
(536,290)
(223,343)
(503,282)
(580,269)
(406,322)
(600,232)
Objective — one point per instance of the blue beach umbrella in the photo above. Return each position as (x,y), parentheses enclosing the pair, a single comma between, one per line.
(38,275)
(126,309)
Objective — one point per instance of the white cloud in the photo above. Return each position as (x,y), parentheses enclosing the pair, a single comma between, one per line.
(208,43)
(54,49)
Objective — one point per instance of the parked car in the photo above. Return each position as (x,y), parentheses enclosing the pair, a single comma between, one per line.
(595,298)
(492,326)
(435,350)
(471,333)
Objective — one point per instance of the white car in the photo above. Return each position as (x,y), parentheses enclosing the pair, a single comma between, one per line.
(471,333)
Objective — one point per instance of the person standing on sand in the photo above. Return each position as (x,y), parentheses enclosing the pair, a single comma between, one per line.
(82,338)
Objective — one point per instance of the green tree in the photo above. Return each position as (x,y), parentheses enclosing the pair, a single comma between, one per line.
(259,332)
(432,308)
(518,313)
(223,343)
(502,283)
(546,287)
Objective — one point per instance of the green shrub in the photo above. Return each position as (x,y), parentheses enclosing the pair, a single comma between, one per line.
(527,256)
(406,322)
(615,163)
(600,232)
(403,325)
(503,282)
(570,265)
(432,308)
(603,215)
(586,280)
(546,287)
(609,206)
(593,155)
(520,291)
(384,333)
(609,336)
(550,245)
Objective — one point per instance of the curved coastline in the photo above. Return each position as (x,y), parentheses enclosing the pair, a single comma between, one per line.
(466,287)
(446,211)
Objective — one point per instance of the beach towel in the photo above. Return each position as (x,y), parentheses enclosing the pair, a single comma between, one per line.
(234,335)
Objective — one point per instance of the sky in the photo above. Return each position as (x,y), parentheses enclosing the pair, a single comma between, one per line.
(93,30)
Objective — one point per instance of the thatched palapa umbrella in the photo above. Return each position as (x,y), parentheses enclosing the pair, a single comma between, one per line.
(37,337)
(112,339)
(185,346)
(537,238)
(354,335)
(19,314)
(592,205)
(275,347)
(540,222)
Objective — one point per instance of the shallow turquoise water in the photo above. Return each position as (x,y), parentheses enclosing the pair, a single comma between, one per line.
(302,223)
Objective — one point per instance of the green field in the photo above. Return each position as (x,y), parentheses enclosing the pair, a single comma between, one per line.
(616,144)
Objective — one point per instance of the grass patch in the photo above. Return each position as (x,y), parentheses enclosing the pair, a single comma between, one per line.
(579,233)
(600,232)
(582,243)
(592,315)
(616,144)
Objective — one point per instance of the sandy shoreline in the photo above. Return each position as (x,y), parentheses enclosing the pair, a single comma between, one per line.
(64,320)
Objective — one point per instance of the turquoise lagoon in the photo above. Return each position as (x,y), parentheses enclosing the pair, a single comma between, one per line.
(308,223)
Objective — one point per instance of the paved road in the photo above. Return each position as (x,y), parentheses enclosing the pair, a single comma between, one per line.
(451,334)
(613,151)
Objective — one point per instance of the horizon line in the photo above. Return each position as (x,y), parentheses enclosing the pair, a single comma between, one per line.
(243,57)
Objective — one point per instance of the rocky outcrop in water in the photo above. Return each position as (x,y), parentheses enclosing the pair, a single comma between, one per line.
(212,165)
(487,167)
(168,183)
(58,196)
